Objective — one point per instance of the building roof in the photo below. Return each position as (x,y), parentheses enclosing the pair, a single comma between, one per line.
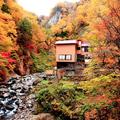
(66,42)
(72,42)
(85,44)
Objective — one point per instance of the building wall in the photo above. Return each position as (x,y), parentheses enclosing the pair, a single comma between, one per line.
(66,50)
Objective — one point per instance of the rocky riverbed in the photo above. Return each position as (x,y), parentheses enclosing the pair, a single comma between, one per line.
(15,98)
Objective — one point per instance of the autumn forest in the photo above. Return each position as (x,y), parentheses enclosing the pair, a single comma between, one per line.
(27,48)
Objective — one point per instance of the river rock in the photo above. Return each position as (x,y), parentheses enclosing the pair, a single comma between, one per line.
(6,95)
(42,116)
(13,95)
(2,113)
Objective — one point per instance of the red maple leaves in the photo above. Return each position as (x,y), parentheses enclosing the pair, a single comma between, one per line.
(7,56)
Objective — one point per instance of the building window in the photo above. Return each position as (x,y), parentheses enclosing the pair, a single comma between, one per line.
(61,57)
(68,57)
(65,57)
(78,48)
(85,49)
(80,58)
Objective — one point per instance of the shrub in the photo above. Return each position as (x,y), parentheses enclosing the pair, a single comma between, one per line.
(61,100)
(5,8)
(69,101)
(42,61)
(93,85)
(25,26)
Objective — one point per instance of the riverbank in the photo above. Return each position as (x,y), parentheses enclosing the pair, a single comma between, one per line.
(15,96)
(95,99)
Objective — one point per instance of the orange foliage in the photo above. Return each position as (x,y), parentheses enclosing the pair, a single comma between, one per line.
(9,34)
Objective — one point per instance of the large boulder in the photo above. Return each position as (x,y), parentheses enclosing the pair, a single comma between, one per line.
(42,116)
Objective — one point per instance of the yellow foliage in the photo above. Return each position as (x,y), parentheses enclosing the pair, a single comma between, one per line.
(19,13)
(8,32)
(1,2)
(38,35)
(95,83)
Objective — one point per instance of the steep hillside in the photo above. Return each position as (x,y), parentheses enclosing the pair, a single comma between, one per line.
(88,20)
(60,11)
(20,34)
(98,97)
(27,45)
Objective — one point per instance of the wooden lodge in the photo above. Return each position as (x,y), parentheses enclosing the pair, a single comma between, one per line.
(70,53)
